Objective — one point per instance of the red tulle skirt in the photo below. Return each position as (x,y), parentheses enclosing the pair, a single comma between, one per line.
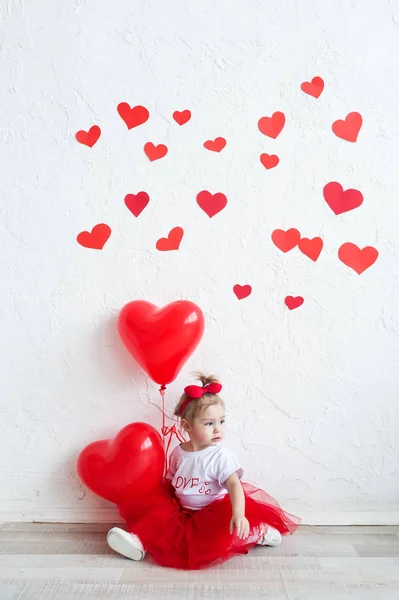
(181,538)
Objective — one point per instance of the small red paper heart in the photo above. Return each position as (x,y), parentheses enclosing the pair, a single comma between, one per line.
(242,291)
(95,239)
(272,126)
(355,258)
(89,138)
(269,161)
(155,152)
(313,88)
(216,145)
(293,301)
(341,201)
(211,204)
(128,465)
(172,242)
(311,247)
(182,117)
(136,203)
(133,117)
(348,129)
(286,240)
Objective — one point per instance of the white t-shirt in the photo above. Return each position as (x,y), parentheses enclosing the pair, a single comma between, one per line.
(199,477)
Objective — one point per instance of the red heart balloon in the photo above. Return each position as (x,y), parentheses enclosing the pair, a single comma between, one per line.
(161,339)
(130,464)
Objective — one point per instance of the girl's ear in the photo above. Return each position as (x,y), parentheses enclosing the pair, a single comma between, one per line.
(185,425)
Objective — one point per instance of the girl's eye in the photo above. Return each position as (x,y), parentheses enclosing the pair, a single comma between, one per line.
(208,423)
(223,422)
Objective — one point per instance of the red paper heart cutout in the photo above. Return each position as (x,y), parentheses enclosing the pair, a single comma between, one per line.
(161,339)
(182,117)
(269,161)
(155,152)
(341,201)
(313,88)
(133,117)
(242,291)
(136,203)
(311,247)
(216,145)
(348,129)
(272,126)
(89,138)
(355,258)
(95,239)
(130,464)
(172,242)
(211,204)
(286,240)
(293,301)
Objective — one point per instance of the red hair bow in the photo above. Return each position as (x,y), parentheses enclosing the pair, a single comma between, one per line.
(196,391)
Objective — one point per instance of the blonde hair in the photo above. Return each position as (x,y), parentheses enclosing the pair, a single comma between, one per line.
(198,406)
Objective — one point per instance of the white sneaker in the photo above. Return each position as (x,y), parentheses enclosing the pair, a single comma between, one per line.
(272,537)
(125,543)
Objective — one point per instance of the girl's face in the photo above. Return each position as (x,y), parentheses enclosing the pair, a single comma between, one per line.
(208,428)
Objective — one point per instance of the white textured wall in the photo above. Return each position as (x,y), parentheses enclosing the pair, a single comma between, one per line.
(312,394)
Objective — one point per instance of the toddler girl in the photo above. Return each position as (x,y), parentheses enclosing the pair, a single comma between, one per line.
(204,514)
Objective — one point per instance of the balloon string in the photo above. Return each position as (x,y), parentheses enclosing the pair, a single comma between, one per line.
(168,431)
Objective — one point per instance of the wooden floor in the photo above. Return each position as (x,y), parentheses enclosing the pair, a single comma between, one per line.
(73,562)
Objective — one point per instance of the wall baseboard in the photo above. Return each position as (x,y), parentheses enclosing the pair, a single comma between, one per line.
(110,515)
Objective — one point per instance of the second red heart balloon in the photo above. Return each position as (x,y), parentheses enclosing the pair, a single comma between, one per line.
(129,465)
(161,339)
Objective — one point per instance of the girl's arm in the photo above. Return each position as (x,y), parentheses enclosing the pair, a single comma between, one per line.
(237,498)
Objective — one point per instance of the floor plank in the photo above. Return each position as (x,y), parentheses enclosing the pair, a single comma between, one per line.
(73,562)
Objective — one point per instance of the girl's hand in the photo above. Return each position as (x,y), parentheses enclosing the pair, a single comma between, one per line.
(241,525)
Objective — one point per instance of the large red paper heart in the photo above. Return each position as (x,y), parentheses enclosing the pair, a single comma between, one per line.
(172,242)
(211,204)
(89,138)
(161,339)
(311,248)
(242,291)
(286,240)
(130,464)
(136,203)
(313,88)
(95,239)
(155,152)
(341,201)
(272,126)
(269,161)
(182,117)
(355,258)
(293,302)
(348,129)
(133,117)
(215,145)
